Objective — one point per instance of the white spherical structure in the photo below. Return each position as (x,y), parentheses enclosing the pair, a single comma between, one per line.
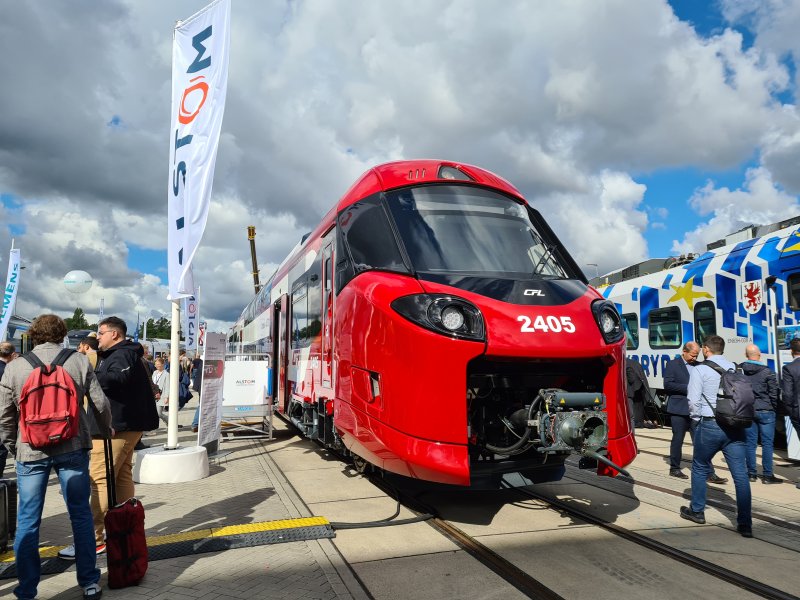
(77,282)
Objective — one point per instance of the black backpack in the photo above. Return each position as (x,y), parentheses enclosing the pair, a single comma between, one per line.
(735,398)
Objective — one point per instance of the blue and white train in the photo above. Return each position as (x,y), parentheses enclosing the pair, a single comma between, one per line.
(745,288)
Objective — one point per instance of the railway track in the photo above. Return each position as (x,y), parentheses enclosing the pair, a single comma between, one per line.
(732,577)
(534,588)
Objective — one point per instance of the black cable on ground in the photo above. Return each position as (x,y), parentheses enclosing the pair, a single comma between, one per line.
(388,522)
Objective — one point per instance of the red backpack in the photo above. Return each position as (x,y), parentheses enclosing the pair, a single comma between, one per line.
(48,403)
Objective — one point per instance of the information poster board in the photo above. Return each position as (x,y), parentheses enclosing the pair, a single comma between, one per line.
(211,391)
(246,390)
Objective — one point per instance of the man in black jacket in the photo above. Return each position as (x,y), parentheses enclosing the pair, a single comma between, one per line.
(638,391)
(676,379)
(765,390)
(125,382)
(790,386)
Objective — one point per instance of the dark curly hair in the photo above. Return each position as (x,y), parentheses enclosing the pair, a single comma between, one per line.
(48,328)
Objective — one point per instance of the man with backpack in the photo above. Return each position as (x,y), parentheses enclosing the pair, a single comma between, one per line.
(765,392)
(713,432)
(27,393)
(126,383)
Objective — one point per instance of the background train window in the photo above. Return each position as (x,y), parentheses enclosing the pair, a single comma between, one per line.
(705,322)
(793,285)
(631,324)
(300,333)
(314,315)
(665,327)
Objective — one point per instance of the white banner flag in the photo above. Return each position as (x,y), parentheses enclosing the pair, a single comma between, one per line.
(9,292)
(199,84)
(190,324)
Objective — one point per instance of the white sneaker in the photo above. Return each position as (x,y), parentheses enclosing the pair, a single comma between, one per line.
(68,553)
(92,592)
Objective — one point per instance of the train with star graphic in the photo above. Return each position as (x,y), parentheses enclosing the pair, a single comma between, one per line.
(744,288)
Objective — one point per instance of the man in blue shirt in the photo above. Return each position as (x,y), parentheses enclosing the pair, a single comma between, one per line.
(710,438)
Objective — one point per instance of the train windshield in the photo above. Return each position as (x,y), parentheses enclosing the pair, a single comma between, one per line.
(470,230)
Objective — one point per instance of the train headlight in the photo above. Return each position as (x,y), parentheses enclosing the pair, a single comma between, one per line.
(448,315)
(607,317)
(452,318)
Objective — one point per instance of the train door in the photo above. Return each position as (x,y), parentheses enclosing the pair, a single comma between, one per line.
(282,339)
(326,360)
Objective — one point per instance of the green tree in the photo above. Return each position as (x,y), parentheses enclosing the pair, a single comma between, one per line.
(157,328)
(77,321)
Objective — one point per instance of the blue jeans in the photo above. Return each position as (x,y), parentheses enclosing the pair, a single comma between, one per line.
(764,424)
(72,470)
(710,438)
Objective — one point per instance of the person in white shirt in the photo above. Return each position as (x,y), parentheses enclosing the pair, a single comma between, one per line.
(710,438)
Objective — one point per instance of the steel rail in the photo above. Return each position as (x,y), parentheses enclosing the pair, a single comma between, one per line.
(513,575)
(737,579)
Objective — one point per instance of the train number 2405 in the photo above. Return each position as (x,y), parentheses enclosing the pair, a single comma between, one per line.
(548,323)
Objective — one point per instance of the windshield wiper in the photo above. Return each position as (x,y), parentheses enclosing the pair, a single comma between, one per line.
(548,250)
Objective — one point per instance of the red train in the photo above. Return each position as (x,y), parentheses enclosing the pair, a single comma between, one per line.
(434,326)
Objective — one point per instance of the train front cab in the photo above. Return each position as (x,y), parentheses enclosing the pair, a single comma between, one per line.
(452,344)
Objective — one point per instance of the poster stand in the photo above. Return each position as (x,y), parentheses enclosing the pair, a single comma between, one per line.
(247,405)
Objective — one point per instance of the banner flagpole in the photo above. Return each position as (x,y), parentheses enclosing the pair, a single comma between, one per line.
(200,50)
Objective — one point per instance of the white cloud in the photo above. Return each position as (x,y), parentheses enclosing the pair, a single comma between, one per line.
(602,226)
(568,101)
(759,202)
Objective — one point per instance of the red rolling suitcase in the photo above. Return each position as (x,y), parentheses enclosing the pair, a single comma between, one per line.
(126,546)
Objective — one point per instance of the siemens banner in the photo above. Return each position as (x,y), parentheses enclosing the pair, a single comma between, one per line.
(199,83)
(9,292)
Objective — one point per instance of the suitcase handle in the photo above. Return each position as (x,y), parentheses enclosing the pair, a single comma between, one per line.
(111,483)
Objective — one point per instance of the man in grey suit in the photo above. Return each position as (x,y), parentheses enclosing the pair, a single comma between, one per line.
(790,386)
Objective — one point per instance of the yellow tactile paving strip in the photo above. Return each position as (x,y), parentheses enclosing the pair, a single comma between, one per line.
(199,534)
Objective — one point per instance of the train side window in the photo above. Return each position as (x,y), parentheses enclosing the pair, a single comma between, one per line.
(314,315)
(705,322)
(300,334)
(369,237)
(631,324)
(665,328)
(793,286)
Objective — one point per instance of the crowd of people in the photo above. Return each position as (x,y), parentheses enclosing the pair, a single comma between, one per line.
(691,406)
(119,384)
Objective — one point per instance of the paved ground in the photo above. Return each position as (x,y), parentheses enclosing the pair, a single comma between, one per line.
(263,481)
(244,486)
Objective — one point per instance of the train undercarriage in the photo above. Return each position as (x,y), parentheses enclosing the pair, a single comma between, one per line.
(522,417)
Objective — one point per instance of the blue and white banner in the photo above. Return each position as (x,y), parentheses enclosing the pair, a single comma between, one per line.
(199,84)
(9,292)
(190,307)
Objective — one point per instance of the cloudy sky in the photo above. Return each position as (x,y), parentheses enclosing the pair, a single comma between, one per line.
(639,129)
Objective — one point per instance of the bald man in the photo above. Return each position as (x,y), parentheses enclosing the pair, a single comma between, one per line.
(765,390)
